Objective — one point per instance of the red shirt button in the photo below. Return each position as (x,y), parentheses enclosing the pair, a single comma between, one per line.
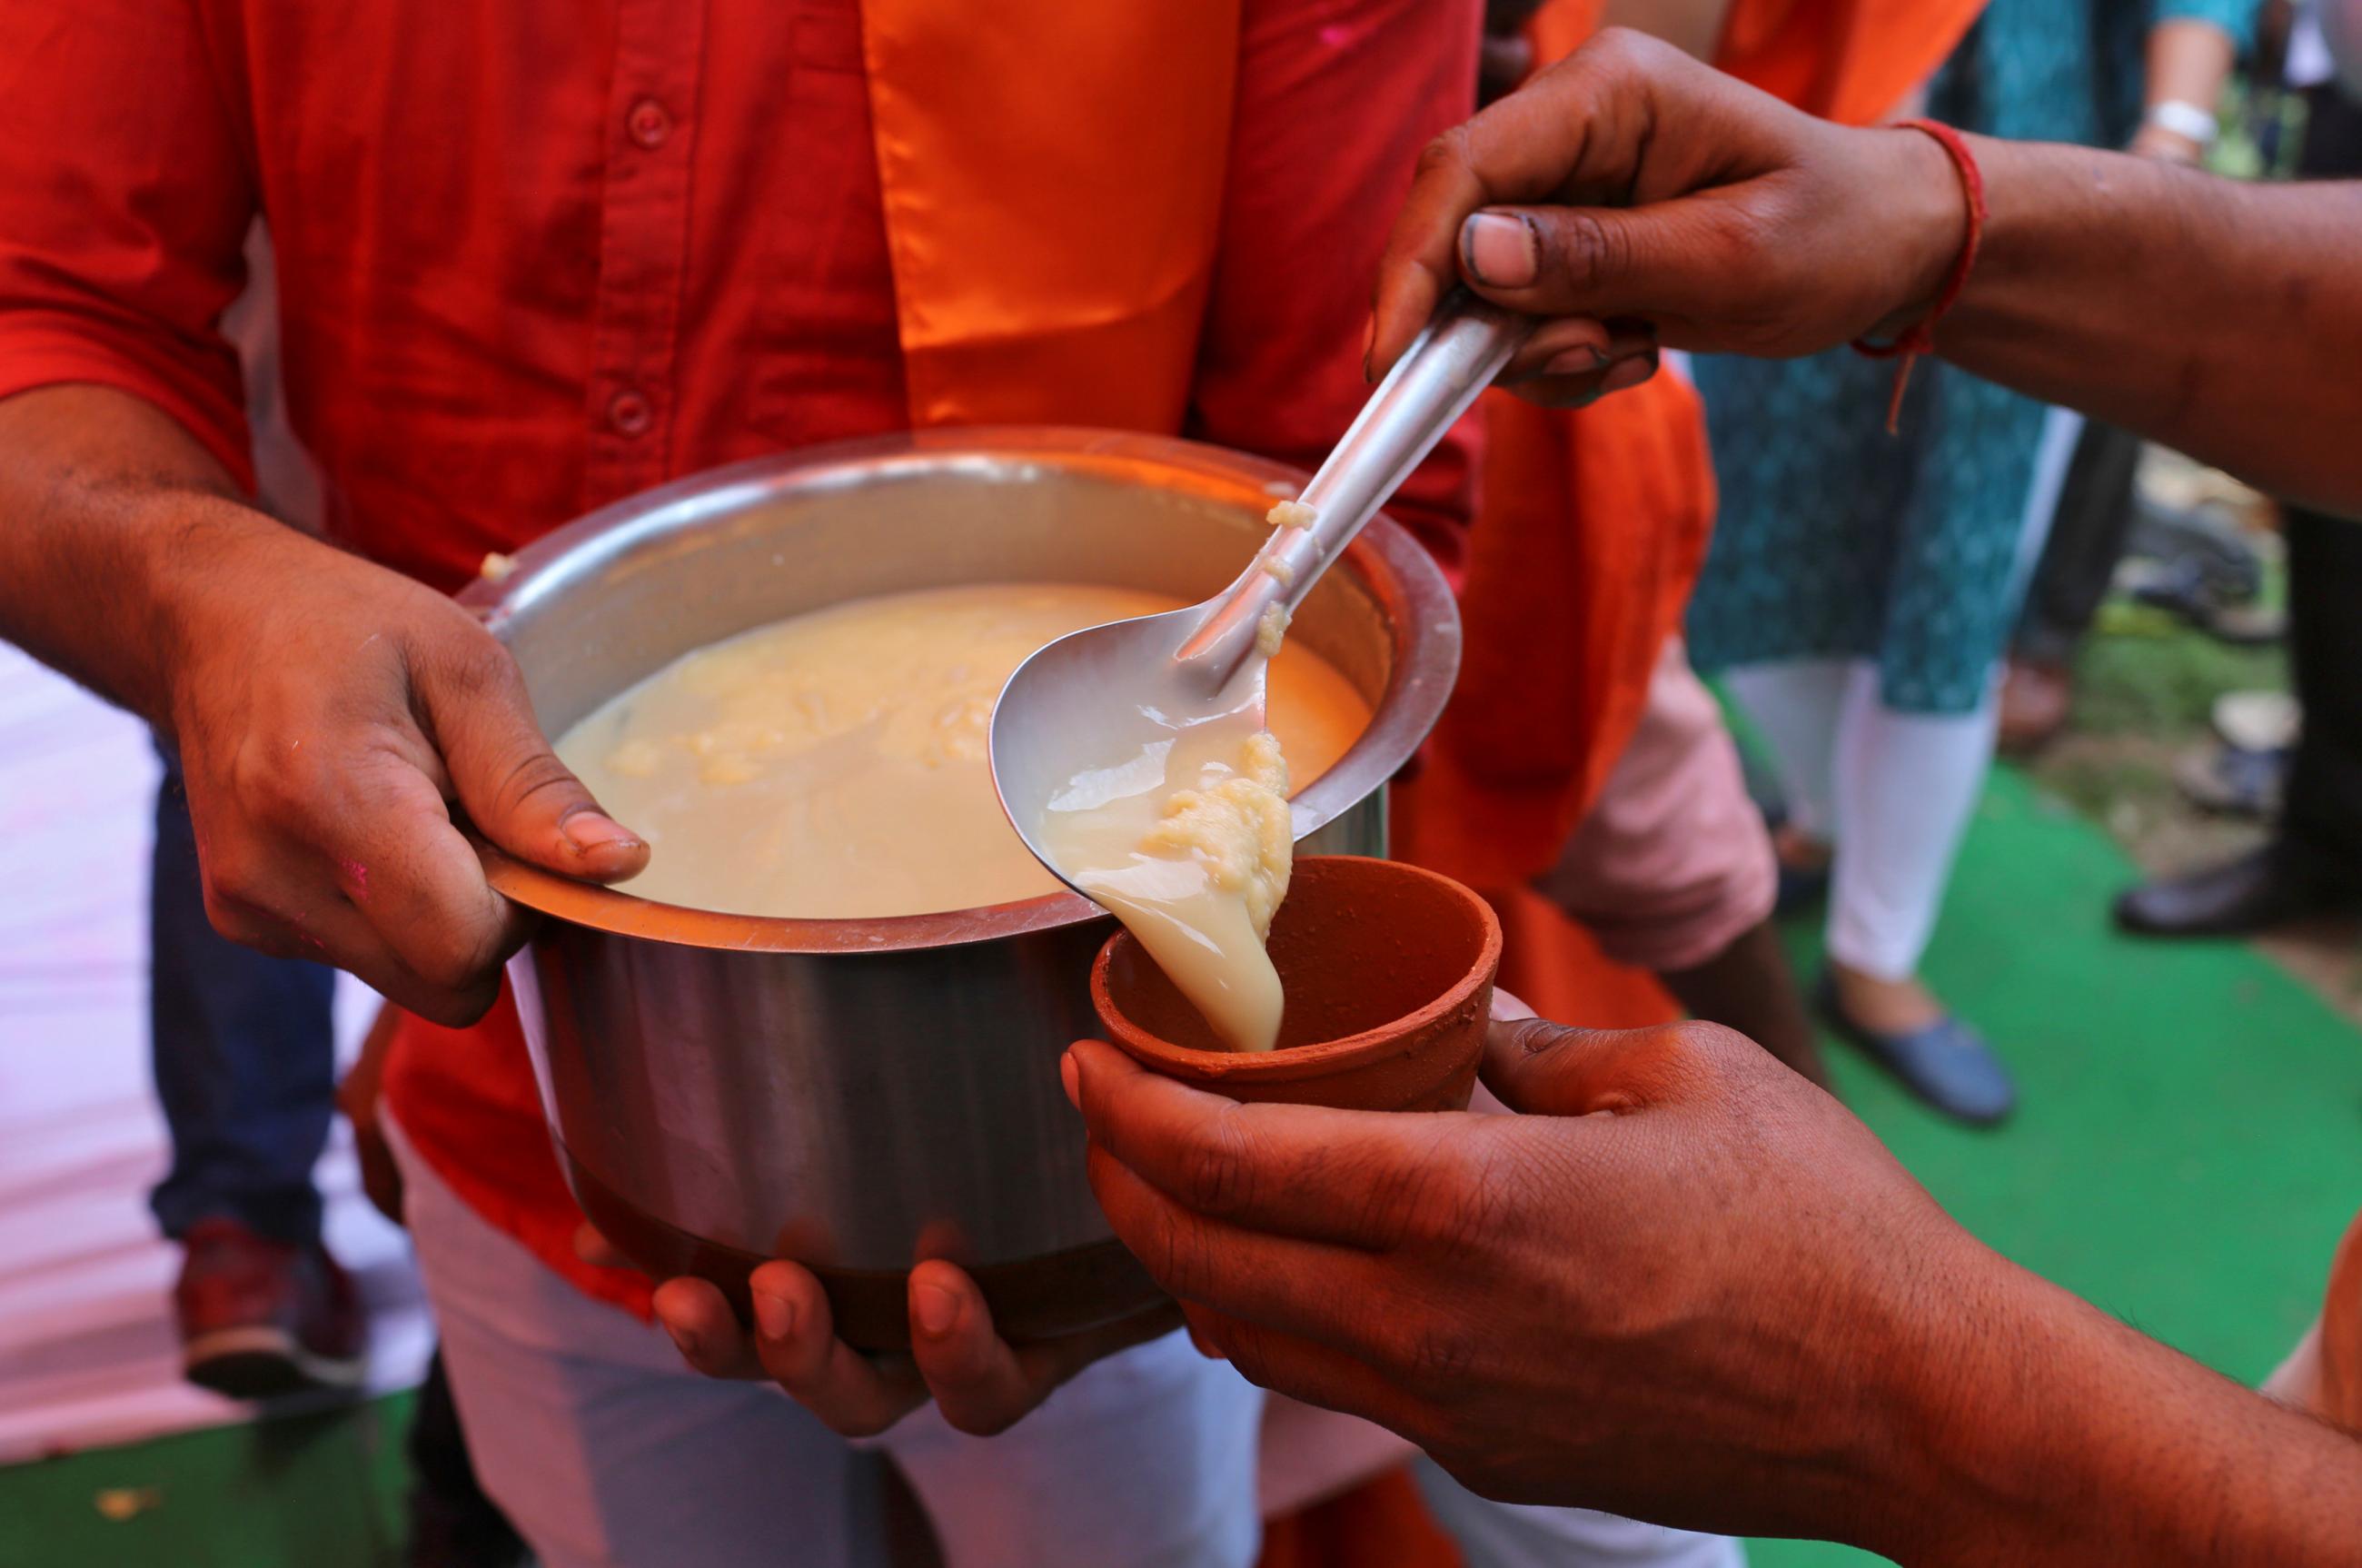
(648,124)
(629,415)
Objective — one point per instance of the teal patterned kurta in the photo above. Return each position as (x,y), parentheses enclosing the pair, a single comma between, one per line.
(1838,540)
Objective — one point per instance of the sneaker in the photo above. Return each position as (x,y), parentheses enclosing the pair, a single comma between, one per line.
(260,1319)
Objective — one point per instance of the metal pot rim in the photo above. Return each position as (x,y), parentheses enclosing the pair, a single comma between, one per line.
(1392,565)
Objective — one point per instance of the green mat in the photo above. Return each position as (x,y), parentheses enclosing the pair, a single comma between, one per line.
(313,1491)
(2189,1150)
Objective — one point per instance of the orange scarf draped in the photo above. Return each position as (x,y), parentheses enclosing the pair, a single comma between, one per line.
(1052,231)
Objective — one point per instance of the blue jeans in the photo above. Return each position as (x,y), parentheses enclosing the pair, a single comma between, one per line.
(245,1055)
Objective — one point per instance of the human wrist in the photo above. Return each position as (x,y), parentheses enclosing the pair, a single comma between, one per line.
(1931,208)
(2037,1440)
(1935,1377)
(208,565)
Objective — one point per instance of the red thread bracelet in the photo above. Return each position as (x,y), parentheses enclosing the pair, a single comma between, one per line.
(1921,339)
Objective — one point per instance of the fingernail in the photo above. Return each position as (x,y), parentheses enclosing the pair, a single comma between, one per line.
(1629,373)
(1501,252)
(1070,1078)
(589,832)
(683,1342)
(1369,342)
(1577,361)
(935,1308)
(774,1317)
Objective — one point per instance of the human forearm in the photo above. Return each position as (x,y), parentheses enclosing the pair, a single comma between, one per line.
(1628,184)
(2221,318)
(330,715)
(108,506)
(2059,1436)
(2189,61)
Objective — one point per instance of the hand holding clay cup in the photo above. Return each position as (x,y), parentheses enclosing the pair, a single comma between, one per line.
(1682,1283)
(1387,970)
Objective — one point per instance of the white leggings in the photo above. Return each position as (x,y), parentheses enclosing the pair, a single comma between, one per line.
(1891,791)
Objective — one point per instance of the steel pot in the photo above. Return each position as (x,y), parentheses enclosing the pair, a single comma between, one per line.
(862,1094)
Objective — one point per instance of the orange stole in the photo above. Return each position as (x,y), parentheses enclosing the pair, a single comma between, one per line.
(1851,61)
(1563,627)
(1052,240)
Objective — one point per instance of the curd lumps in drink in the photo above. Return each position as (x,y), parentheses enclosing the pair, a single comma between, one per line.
(1186,840)
(834,764)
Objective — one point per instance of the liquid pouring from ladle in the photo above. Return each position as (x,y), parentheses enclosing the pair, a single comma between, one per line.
(1071,722)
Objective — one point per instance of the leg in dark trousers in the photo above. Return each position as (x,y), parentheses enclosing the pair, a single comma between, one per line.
(2324,813)
(245,1059)
(452,1523)
(2087,531)
(2087,539)
(245,1056)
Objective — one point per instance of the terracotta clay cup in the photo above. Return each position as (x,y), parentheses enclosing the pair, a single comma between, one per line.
(1388,971)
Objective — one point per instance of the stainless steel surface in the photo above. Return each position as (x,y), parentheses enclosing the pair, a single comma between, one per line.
(862,1092)
(1079,702)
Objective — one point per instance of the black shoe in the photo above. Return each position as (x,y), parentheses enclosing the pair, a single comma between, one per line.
(2254,892)
(1800,888)
(1948,1064)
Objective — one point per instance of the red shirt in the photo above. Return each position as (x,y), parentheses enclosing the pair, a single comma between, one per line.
(535,255)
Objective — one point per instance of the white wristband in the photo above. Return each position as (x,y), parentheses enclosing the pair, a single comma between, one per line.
(2185,119)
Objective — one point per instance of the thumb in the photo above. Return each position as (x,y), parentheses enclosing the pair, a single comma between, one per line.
(1649,261)
(1541,1069)
(513,786)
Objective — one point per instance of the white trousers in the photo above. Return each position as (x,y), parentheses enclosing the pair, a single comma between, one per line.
(1890,791)
(607,1452)
(1514,1535)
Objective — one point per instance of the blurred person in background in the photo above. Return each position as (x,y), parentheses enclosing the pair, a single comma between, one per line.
(2086,470)
(1861,586)
(2311,863)
(2093,521)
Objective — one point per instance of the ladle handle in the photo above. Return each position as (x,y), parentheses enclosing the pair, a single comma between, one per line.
(1455,358)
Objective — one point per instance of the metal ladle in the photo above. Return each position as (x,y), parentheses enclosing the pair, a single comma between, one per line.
(1081,704)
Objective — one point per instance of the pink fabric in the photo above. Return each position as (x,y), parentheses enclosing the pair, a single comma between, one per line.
(1674,864)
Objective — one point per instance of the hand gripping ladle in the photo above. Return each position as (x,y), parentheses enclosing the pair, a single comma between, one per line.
(1094,696)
